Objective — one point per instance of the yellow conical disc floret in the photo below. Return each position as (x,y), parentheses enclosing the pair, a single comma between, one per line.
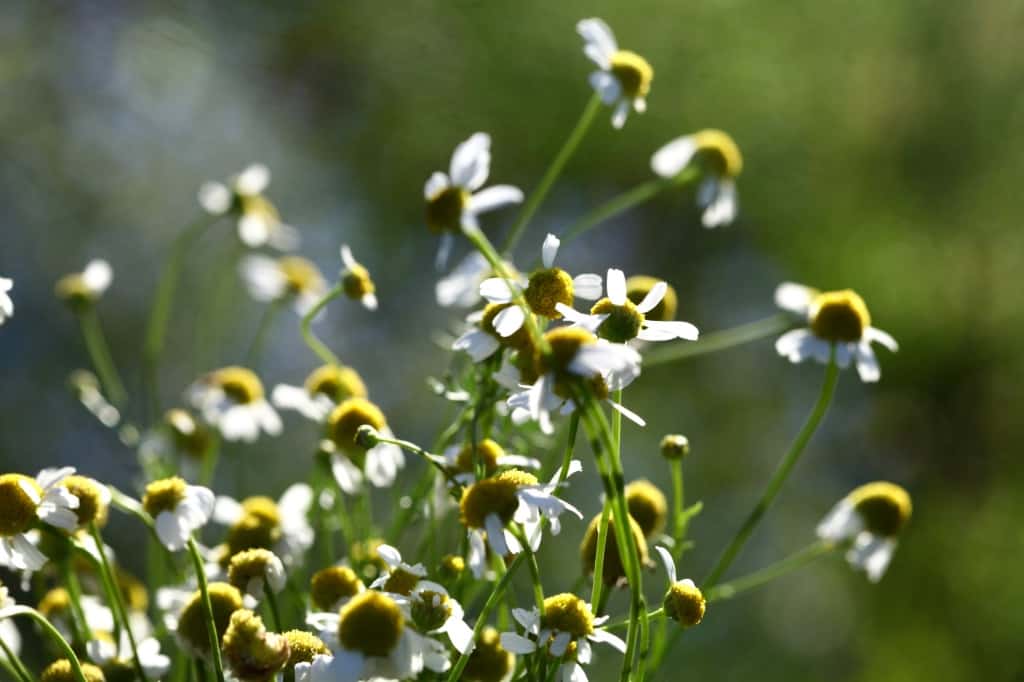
(717,149)
(883,507)
(633,72)
(839,316)
(300,274)
(685,603)
(61,671)
(495,495)
(92,503)
(487,451)
(19,499)
(371,623)
(252,653)
(568,613)
(547,288)
(623,322)
(239,384)
(303,647)
(330,585)
(164,495)
(647,506)
(336,382)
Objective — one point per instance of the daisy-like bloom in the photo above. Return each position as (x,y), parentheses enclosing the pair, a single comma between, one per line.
(453,200)
(232,398)
(576,354)
(331,587)
(488,506)
(648,506)
(261,523)
(684,602)
(613,571)
(350,460)
(252,654)
(178,509)
(460,459)
(623,79)
(355,280)
(837,318)
(7,305)
(289,278)
(325,388)
(115,659)
(93,498)
(185,615)
(398,577)
(461,286)
(371,638)
(259,223)
(83,289)
(565,628)
(617,319)
(721,162)
(254,570)
(544,291)
(490,661)
(303,647)
(871,517)
(24,501)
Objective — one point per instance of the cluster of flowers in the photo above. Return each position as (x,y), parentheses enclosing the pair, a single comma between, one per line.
(526,358)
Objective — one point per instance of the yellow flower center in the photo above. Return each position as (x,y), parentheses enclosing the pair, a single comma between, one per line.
(239,384)
(164,495)
(564,343)
(430,610)
(258,206)
(249,564)
(495,495)
(401,582)
(719,151)
(253,654)
(884,507)
(225,599)
(546,288)
(487,451)
(303,647)
(452,566)
(675,446)
(638,286)
(337,383)
(489,662)
(647,506)
(520,339)
(189,436)
(357,283)
(258,528)
(263,508)
(300,274)
(346,419)
(17,506)
(613,571)
(839,316)
(623,322)
(371,623)
(444,209)
(685,604)
(61,671)
(54,603)
(91,506)
(633,72)
(568,613)
(332,584)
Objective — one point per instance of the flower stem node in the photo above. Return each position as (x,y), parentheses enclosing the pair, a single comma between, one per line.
(367,436)
(675,446)
(546,289)
(61,671)
(648,506)
(839,316)
(331,586)
(303,647)
(344,422)
(225,600)
(685,603)
(614,572)
(253,654)
(639,286)
(371,623)
(497,495)
(623,322)
(489,662)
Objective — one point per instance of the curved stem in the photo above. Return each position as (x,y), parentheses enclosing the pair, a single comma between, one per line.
(317,346)
(211,624)
(117,603)
(574,425)
(99,353)
(551,174)
(275,612)
(79,625)
(12,664)
(602,544)
(778,478)
(52,633)
(794,561)
(720,340)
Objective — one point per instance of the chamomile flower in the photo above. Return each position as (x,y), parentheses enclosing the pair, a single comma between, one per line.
(7,305)
(544,291)
(461,286)
(24,501)
(482,340)
(371,638)
(185,615)
(251,653)
(232,398)
(254,570)
(871,517)
(489,505)
(460,459)
(350,460)
(684,602)
(490,661)
(303,648)
(83,289)
(323,390)
(455,200)
(178,510)
(617,319)
(355,280)
(398,577)
(331,587)
(838,318)
(623,79)
(259,223)
(566,628)
(288,278)
(721,161)
(261,523)
(613,571)
(115,658)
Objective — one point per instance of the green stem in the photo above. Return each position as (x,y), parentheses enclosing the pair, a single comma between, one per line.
(80,626)
(481,621)
(538,588)
(551,174)
(116,601)
(52,633)
(317,346)
(99,353)
(211,625)
(574,425)
(252,356)
(678,504)
(778,478)
(625,621)
(13,665)
(275,612)
(780,568)
(602,543)
(720,340)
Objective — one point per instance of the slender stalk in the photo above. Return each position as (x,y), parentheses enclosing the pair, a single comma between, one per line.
(538,195)
(625,621)
(211,625)
(678,504)
(99,354)
(538,588)
(574,425)
(720,340)
(315,344)
(13,665)
(52,633)
(116,601)
(80,626)
(778,478)
(275,612)
(259,339)
(596,597)
(794,561)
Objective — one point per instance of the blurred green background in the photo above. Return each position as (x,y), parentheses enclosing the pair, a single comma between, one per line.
(881,142)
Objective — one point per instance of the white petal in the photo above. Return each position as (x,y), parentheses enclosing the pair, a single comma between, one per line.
(97,276)
(620,114)
(873,334)
(606,86)
(509,321)
(597,33)
(722,210)
(627,413)
(561,644)
(494,198)
(517,644)
(496,535)
(284,237)
(471,162)
(616,284)
(796,298)
(573,672)
(587,286)
(263,278)
(666,560)
(391,556)
(436,183)
(655,330)
(296,501)
(597,55)
(296,398)
(31,559)
(867,363)
(671,159)
(170,531)
(461,286)
(444,248)
(253,230)
(841,523)
(495,290)
(346,474)
(346,257)
(549,250)
(214,197)
(460,634)
(253,180)
(479,344)
(226,510)
(605,637)
(653,297)
(47,478)
(588,322)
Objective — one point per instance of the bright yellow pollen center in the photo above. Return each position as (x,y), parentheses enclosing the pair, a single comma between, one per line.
(332,584)
(303,647)
(249,564)
(401,582)
(638,286)
(623,322)
(239,384)
(371,623)
(17,508)
(258,528)
(685,604)
(720,151)
(568,613)
(839,316)
(54,603)
(633,72)
(430,610)
(252,652)
(444,209)
(487,451)
(546,288)
(357,283)
(61,671)
(345,420)
(495,495)
(164,495)
(884,507)
(337,383)
(648,506)
(300,274)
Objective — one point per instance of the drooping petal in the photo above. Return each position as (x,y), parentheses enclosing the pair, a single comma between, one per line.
(654,330)
(620,114)
(435,184)
(595,32)
(605,637)
(873,334)
(587,286)
(627,413)
(667,562)
(517,644)
(671,159)
(494,198)
(509,321)
(97,276)
(496,290)
(214,197)
(549,250)
(616,284)
(479,344)
(867,363)
(606,86)
(796,298)
(471,162)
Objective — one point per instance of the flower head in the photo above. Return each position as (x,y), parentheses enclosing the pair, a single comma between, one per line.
(24,500)
(61,671)
(647,506)
(490,661)
(675,446)
(288,278)
(252,570)
(871,517)
(684,602)
(261,523)
(324,388)
(613,569)
(331,587)
(355,280)
(623,79)
(190,624)
(252,653)
(178,509)
(82,289)
(233,399)
(350,461)
(259,223)
(721,162)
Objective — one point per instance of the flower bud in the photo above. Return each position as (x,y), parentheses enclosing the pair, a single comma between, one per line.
(675,446)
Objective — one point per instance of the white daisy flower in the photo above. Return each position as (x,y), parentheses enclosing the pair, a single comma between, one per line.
(7,305)
(253,571)
(871,518)
(350,461)
(232,398)
(684,602)
(617,319)
(355,280)
(566,620)
(837,318)
(25,500)
(285,524)
(371,638)
(398,577)
(461,286)
(324,389)
(105,653)
(86,287)
(460,459)
(453,200)
(178,510)
(436,613)
(722,163)
(623,79)
(544,291)
(184,614)
(289,278)
(259,223)
(489,505)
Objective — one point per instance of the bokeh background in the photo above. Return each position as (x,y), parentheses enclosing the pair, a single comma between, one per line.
(883,152)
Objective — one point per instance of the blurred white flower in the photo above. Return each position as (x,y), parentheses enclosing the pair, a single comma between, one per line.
(259,223)
(871,517)
(6,304)
(278,279)
(178,510)
(722,163)
(623,79)
(24,501)
(232,398)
